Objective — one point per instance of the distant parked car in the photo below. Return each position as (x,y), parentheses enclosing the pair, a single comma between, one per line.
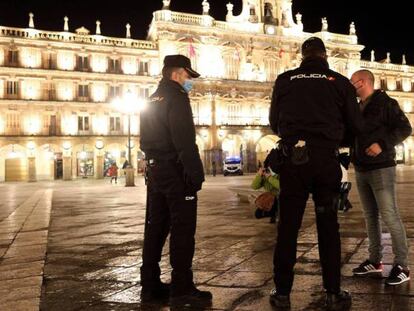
(232,166)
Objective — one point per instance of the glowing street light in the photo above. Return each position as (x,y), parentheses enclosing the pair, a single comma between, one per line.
(129,105)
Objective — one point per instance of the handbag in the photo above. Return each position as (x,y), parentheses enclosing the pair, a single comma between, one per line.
(265,201)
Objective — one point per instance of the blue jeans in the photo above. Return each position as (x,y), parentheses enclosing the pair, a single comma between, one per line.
(377,193)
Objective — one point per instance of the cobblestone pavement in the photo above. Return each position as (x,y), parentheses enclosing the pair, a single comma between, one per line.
(77,246)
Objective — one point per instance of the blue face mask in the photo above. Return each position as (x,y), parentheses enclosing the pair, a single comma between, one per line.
(188,85)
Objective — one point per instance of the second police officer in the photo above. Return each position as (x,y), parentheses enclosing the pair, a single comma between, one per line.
(311,110)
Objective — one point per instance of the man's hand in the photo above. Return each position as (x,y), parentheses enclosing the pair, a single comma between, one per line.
(261,171)
(373,150)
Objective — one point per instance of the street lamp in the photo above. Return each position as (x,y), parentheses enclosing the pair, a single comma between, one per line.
(129,105)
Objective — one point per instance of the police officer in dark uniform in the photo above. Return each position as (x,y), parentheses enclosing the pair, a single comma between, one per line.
(312,109)
(174,175)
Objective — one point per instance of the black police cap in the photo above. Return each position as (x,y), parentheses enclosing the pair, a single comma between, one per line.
(180,61)
(313,43)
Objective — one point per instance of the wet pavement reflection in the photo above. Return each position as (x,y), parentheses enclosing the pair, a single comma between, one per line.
(77,246)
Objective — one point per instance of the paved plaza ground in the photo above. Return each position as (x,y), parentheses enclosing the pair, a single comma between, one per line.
(77,246)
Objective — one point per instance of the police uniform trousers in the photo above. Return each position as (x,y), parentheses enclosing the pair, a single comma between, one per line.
(321,176)
(169,210)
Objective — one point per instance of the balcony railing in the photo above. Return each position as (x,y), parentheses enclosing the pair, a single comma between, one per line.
(76,38)
(234,121)
(386,66)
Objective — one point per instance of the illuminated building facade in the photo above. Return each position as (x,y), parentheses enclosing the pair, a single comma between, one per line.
(57,88)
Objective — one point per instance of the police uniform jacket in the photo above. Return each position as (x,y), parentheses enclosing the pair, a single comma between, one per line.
(167,131)
(315,104)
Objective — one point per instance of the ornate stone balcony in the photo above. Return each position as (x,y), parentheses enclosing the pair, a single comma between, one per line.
(75,38)
(387,66)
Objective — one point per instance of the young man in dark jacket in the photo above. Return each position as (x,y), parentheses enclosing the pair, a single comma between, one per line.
(373,156)
(312,109)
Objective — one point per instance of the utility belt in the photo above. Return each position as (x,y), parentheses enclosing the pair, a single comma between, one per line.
(154,162)
(150,162)
(298,153)
(154,158)
(284,151)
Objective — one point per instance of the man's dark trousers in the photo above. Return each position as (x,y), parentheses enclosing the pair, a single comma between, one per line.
(169,210)
(321,176)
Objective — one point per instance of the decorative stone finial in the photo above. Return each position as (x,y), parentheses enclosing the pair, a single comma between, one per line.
(388,59)
(66,23)
(206,7)
(229,10)
(352,30)
(31,21)
(324,24)
(128,30)
(404,61)
(166,4)
(299,19)
(372,56)
(98,28)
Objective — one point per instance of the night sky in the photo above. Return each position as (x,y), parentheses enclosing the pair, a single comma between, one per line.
(378,26)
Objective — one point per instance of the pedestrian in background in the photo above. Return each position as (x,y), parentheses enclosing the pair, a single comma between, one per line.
(214,168)
(175,175)
(125,166)
(312,108)
(113,172)
(374,160)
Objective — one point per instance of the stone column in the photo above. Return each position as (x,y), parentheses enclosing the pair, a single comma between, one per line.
(32,169)
(52,169)
(214,151)
(251,158)
(99,169)
(67,168)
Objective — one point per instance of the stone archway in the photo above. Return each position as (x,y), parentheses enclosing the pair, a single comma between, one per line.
(235,145)
(15,166)
(48,159)
(263,146)
(83,160)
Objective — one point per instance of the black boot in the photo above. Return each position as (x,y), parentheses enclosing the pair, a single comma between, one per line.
(191,298)
(338,302)
(278,300)
(157,293)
